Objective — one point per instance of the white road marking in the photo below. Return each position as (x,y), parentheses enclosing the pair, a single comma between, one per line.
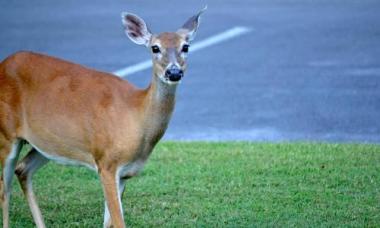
(213,40)
(368,71)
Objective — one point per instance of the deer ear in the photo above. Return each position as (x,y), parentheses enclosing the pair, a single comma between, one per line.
(191,26)
(135,28)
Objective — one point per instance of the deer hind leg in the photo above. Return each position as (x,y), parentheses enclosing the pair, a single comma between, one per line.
(9,155)
(24,171)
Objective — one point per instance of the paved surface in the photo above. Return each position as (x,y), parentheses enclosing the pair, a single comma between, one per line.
(309,70)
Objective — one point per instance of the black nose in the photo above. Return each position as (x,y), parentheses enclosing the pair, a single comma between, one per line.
(174,74)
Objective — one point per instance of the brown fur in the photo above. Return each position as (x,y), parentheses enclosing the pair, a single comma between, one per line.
(61,112)
(74,112)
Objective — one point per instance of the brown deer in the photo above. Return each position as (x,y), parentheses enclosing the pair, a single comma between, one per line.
(75,115)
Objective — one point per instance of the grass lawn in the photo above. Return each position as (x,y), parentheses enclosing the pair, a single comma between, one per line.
(222,184)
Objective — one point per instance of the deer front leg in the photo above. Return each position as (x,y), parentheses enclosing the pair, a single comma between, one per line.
(24,171)
(112,197)
(107,217)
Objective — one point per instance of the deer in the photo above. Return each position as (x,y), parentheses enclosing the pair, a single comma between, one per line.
(75,115)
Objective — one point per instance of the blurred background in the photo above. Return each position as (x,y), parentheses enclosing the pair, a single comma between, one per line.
(306,70)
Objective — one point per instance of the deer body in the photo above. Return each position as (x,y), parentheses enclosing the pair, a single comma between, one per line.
(75,115)
(56,111)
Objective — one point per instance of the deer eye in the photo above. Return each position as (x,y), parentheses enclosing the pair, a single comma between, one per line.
(185,48)
(155,49)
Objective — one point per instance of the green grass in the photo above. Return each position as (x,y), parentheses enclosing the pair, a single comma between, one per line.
(222,184)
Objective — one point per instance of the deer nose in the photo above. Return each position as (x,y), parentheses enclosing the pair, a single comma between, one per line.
(174,74)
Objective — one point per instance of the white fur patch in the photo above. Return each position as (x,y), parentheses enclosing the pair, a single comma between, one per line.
(107,215)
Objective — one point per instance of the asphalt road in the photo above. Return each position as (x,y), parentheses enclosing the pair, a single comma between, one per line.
(308,70)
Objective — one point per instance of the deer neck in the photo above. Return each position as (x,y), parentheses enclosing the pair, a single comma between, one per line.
(160,106)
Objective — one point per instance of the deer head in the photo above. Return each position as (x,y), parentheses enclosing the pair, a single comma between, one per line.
(169,49)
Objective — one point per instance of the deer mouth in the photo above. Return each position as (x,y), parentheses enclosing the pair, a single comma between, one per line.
(169,81)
